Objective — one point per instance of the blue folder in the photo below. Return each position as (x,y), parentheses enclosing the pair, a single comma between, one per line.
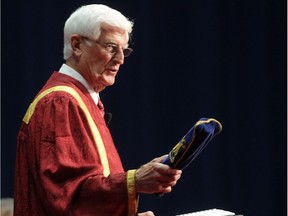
(192,144)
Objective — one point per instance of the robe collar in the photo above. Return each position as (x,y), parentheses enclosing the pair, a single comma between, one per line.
(69,71)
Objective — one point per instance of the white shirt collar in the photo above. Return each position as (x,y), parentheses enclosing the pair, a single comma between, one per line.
(69,71)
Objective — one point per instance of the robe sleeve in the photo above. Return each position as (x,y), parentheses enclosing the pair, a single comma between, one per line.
(67,170)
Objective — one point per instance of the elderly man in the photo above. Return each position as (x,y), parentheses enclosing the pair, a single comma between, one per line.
(67,163)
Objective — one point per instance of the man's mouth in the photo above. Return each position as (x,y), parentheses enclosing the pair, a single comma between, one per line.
(113,70)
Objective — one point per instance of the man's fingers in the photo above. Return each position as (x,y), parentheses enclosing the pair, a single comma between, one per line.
(159,159)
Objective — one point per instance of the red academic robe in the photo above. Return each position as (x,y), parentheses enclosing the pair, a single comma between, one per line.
(66,161)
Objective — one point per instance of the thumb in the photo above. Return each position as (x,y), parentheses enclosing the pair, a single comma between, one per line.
(159,159)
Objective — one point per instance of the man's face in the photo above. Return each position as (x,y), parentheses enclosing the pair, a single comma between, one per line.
(96,63)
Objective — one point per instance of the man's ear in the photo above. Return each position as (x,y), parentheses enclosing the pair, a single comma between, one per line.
(76,44)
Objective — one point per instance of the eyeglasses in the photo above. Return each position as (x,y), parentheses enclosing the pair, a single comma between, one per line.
(111,48)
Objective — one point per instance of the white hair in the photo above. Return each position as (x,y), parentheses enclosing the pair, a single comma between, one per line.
(87,21)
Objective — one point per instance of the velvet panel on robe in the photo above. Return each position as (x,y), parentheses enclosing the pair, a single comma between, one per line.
(59,167)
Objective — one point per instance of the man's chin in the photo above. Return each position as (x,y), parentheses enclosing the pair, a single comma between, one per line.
(104,82)
(109,82)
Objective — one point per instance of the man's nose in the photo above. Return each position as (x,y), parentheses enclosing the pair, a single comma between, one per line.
(119,57)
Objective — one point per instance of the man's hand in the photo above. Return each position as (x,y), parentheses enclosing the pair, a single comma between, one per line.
(155,177)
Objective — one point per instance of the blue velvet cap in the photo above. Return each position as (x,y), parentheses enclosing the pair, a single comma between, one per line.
(191,145)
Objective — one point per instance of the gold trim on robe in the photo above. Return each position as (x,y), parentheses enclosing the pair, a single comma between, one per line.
(95,132)
(132,196)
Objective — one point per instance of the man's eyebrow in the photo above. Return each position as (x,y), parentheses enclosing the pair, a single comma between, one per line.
(114,43)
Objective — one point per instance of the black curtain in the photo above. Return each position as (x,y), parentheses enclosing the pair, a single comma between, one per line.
(192,59)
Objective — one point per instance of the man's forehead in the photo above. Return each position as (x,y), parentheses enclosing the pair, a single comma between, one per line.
(113,32)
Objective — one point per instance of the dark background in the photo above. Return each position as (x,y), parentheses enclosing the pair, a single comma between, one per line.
(201,58)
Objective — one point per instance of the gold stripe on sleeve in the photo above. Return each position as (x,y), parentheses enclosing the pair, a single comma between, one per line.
(132,196)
